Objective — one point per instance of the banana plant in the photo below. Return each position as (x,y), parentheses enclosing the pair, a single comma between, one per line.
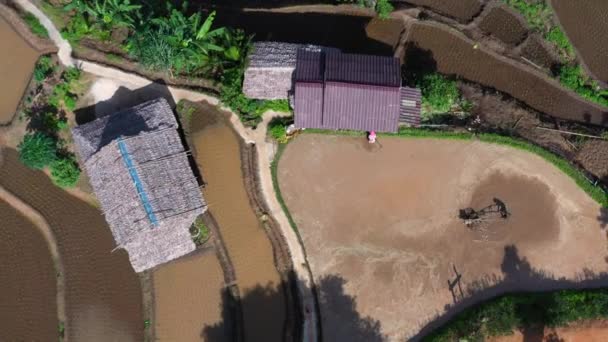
(107,13)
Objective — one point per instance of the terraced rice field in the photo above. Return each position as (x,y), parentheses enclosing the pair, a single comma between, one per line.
(217,154)
(103,294)
(28,306)
(503,24)
(462,10)
(586,24)
(435,46)
(188,300)
(385,219)
(15,69)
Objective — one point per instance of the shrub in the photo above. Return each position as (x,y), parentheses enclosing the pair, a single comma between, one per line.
(384,8)
(199,231)
(557,36)
(44,67)
(35,25)
(439,94)
(37,150)
(277,129)
(573,77)
(65,172)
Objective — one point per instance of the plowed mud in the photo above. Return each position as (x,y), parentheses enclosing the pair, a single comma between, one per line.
(217,154)
(535,49)
(586,24)
(15,69)
(103,295)
(437,47)
(504,25)
(385,218)
(188,299)
(462,10)
(28,306)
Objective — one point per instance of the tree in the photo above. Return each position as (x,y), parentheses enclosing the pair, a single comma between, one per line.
(37,150)
(65,172)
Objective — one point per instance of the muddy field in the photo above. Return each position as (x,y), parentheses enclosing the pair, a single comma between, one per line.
(217,154)
(15,69)
(503,24)
(586,24)
(345,32)
(27,278)
(436,47)
(103,295)
(462,10)
(536,50)
(395,237)
(188,299)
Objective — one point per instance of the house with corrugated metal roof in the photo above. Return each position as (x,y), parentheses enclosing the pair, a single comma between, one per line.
(335,90)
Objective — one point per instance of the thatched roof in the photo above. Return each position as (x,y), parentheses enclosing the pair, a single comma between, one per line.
(270,67)
(141,175)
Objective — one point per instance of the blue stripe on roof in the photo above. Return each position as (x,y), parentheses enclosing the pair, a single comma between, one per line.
(135,177)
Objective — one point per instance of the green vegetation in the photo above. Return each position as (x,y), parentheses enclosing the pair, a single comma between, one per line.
(44,67)
(199,231)
(46,144)
(104,15)
(277,129)
(37,150)
(65,172)
(540,18)
(275,183)
(384,8)
(35,25)
(500,316)
(439,94)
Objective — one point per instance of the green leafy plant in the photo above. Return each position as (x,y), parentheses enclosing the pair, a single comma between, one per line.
(37,150)
(76,29)
(439,94)
(199,231)
(107,13)
(44,67)
(65,172)
(557,36)
(384,8)
(35,25)
(573,77)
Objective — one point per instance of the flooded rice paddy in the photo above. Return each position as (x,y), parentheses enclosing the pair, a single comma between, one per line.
(102,292)
(15,69)
(188,300)
(28,307)
(217,153)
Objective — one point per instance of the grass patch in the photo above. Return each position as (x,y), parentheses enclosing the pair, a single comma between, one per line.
(35,25)
(502,315)
(277,189)
(199,231)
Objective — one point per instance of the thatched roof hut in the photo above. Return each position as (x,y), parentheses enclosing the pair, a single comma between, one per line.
(141,175)
(270,67)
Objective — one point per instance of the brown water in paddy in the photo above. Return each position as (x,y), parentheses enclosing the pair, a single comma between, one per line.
(27,279)
(16,65)
(217,153)
(102,292)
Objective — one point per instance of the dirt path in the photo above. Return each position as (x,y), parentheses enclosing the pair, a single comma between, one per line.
(395,239)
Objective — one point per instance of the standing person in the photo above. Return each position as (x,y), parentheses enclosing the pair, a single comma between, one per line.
(371,137)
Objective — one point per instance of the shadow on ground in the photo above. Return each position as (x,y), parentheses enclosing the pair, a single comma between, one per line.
(334,302)
(517,276)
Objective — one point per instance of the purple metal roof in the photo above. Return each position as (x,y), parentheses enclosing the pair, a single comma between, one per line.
(360,107)
(309,66)
(308,109)
(410,105)
(362,69)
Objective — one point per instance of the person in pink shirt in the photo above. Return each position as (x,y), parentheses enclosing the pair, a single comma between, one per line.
(371,137)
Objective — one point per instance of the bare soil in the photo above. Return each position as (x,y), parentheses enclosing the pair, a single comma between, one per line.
(586,25)
(436,47)
(27,279)
(462,10)
(502,23)
(15,70)
(217,153)
(593,156)
(102,294)
(385,218)
(188,299)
